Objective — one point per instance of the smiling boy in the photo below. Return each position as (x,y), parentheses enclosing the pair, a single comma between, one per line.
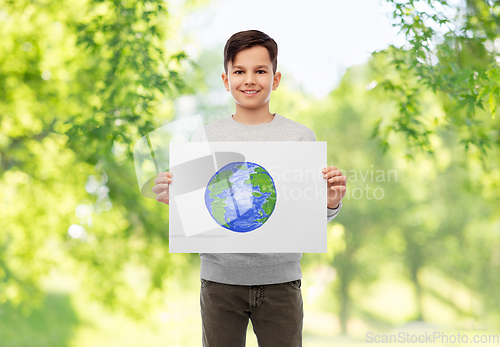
(263,287)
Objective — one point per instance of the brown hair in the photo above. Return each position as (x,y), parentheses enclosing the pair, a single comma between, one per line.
(247,39)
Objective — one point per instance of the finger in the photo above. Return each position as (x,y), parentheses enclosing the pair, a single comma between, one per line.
(160,188)
(165,173)
(338,180)
(328,168)
(162,196)
(332,174)
(165,201)
(162,179)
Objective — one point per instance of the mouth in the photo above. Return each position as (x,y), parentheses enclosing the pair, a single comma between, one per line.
(250,93)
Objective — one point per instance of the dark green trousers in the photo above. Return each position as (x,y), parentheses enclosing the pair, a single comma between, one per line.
(276,311)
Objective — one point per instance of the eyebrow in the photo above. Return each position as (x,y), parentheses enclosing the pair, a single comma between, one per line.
(257,67)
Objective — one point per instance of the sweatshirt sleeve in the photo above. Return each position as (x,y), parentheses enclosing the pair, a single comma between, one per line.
(332,212)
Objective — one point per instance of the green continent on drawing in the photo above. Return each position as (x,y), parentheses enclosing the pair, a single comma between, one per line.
(241,196)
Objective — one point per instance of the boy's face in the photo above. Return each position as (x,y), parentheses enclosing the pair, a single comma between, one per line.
(251,70)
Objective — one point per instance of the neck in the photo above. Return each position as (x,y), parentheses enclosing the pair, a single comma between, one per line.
(253,117)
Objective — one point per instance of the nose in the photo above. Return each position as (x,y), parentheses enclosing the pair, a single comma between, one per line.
(250,79)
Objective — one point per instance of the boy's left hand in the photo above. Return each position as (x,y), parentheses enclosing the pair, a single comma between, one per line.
(336,185)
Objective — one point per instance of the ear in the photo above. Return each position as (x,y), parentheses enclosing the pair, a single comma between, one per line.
(225,81)
(276,80)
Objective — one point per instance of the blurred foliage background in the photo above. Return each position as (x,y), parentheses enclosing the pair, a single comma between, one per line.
(84,257)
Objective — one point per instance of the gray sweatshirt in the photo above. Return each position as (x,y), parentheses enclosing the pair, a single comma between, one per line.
(255,268)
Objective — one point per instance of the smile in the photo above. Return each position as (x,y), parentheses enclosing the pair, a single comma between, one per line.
(250,93)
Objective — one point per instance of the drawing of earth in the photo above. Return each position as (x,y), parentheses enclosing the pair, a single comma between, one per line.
(241,196)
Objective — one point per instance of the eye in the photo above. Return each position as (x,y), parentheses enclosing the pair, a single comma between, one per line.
(236,72)
(262,71)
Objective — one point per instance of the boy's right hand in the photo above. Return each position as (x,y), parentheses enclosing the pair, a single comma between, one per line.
(161,187)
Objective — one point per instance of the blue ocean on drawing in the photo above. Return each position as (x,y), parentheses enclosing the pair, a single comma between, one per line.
(241,196)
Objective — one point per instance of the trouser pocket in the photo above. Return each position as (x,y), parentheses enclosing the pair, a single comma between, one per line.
(296,284)
(204,282)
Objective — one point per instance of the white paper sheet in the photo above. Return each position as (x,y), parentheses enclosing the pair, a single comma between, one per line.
(239,213)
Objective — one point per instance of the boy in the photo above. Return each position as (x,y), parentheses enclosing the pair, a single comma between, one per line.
(239,286)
